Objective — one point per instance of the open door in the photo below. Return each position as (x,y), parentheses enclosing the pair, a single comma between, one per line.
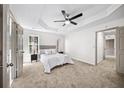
(19,49)
(11,48)
(10,51)
(120,49)
(6,47)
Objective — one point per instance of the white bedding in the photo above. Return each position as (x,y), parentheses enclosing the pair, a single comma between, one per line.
(50,61)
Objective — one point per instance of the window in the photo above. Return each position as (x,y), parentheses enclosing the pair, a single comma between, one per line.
(33,44)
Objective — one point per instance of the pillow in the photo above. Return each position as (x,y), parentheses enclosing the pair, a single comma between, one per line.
(53,51)
(42,51)
(48,52)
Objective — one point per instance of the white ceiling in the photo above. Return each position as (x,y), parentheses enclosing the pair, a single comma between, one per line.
(41,16)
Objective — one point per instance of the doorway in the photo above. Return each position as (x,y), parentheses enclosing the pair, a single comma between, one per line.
(110,44)
(105,45)
(10,48)
(14,49)
(116,50)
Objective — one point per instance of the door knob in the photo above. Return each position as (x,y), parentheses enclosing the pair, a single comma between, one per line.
(11,64)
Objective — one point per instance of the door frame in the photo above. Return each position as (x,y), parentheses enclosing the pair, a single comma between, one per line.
(96,37)
(119,49)
(6,82)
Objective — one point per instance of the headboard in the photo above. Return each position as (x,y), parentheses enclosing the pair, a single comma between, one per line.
(47,47)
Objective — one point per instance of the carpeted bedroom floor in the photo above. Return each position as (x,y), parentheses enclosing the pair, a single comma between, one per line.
(80,75)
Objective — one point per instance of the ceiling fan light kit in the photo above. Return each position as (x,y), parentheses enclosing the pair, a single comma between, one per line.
(67,22)
(67,19)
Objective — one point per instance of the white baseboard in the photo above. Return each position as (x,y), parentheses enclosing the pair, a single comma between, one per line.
(82,60)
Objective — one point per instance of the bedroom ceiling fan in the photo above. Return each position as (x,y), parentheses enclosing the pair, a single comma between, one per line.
(69,20)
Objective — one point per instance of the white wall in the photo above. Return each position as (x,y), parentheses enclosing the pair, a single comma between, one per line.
(44,39)
(81,43)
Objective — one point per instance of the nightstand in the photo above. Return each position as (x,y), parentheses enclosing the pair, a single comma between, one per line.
(33,57)
(61,52)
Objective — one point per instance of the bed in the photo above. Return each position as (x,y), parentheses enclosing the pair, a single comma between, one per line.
(50,58)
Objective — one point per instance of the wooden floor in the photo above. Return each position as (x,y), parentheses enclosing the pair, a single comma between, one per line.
(79,75)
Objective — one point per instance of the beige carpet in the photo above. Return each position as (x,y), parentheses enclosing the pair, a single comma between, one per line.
(77,75)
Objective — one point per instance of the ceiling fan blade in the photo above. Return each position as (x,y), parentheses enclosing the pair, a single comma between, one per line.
(74,23)
(60,21)
(74,17)
(64,14)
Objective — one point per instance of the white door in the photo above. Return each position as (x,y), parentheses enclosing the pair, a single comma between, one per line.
(19,50)
(9,51)
(11,56)
(13,47)
(120,50)
(7,65)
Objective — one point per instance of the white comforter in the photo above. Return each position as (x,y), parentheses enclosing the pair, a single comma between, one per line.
(50,61)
